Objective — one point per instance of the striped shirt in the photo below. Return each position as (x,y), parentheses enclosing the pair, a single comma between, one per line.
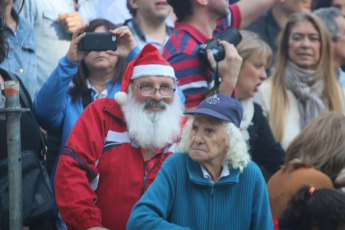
(194,75)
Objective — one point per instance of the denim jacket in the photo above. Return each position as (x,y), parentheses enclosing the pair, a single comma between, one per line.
(21,58)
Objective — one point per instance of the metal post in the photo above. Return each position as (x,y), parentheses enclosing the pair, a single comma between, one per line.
(14,155)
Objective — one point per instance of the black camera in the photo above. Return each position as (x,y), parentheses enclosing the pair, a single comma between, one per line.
(230,35)
(98,42)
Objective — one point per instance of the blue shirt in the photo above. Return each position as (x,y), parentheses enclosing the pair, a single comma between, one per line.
(52,40)
(21,58)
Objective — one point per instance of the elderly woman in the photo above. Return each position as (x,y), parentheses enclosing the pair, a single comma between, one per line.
(314,157)
(211,183)
(264,149)
(303,84)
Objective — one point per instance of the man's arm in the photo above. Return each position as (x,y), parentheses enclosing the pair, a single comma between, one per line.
(228,68)
(253,9)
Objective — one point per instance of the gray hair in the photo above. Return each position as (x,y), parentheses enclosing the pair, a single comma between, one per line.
(328,15)
(237,154)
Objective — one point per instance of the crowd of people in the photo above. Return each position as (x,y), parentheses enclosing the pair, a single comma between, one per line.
(154,135)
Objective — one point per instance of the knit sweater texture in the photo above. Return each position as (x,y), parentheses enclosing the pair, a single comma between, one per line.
(181,198)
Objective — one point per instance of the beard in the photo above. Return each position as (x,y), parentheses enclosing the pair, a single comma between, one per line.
(222,11)
(153,129)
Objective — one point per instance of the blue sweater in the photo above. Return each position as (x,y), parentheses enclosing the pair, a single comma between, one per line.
(181,198)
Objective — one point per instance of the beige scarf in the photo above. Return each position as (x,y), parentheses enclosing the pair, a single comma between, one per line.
(247,118)
(307,90)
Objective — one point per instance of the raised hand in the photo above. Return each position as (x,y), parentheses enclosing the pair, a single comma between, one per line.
(228,68)
(125,41)
(73,53)
(71,20)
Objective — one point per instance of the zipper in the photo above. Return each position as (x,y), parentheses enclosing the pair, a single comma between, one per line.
(146,176)
(212,208)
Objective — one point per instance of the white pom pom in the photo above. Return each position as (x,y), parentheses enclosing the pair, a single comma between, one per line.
(120,97)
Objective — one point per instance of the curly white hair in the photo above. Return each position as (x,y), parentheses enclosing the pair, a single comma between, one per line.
(237,154)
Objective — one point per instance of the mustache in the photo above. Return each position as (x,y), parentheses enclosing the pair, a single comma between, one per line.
(154,103)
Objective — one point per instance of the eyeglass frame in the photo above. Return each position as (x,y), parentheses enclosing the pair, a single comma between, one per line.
(155,89)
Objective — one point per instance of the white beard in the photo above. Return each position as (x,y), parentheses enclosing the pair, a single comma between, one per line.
(153,129)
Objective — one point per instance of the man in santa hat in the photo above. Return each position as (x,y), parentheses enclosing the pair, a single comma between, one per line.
(117,146)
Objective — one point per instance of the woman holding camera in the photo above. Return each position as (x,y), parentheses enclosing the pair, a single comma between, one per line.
(303,84)
(95,74)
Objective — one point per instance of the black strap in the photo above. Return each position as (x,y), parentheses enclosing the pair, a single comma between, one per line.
(87,99)
(24,98)
(215,88)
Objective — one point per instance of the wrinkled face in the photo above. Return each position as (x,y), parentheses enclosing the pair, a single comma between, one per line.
(156,82)
(99,60)
(159,9)
(339,44)
(251,76)
(304,45)
(294,6)
(340,4)
(207,140)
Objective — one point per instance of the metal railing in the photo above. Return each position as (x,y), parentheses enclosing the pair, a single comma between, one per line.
(11,113)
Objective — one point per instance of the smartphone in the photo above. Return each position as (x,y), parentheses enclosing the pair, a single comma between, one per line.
(98,42)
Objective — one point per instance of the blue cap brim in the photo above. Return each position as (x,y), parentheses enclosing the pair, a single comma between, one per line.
(209,112)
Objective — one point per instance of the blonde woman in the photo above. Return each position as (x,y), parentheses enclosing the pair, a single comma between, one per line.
(303,84)
(264,149)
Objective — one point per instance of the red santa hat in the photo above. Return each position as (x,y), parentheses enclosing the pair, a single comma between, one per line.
(149,62)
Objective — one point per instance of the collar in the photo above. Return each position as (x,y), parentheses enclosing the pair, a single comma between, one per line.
(194,32)
(114,109)
(139,31)
(94,92)
(196,175)
(15,15)
(225,172)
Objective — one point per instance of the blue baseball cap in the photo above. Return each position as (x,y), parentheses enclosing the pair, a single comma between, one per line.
(222,107)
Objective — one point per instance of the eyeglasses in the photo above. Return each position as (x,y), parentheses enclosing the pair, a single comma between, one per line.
(149,90)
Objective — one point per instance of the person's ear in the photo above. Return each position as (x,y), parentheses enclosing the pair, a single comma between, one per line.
(202,2)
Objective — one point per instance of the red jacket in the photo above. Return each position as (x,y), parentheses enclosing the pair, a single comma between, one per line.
(100,174)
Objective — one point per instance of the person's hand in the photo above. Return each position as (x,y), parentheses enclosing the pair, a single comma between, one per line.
(228,68)
(97,228)
(71,20)
(125,41)
(73,53)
